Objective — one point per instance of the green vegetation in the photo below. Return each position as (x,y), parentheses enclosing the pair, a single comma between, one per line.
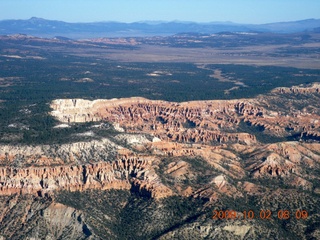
(116,214)
(260,133)
(230,40)
(31,84)
(200,172)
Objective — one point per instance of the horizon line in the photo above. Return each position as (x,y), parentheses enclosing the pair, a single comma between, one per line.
(161,21)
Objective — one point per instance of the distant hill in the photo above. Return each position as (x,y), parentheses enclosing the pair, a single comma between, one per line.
(50,28)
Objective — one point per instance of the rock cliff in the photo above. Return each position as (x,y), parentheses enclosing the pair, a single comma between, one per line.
(313,88)
(199,121)
(208,122)
(126,173)
(58,154)
(211,130)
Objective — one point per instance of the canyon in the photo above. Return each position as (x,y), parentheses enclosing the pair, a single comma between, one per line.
(213,151)
(154,129)
(148,137)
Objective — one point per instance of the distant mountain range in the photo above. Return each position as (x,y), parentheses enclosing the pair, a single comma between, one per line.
(50,28)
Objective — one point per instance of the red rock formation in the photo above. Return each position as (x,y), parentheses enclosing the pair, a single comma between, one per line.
(289,161)
(197,121)
(125,173)
(206,129)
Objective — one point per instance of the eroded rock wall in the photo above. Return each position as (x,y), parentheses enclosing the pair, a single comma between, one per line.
(198,121)
(125,173)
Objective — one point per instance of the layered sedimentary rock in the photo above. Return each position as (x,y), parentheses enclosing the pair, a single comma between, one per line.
(313,88)
(208,122)
(57,154)
(125,173)
(199,121)
(293,162)
(286,160)
(207,131)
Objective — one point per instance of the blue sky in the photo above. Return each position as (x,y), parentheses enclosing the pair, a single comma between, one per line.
(240,11)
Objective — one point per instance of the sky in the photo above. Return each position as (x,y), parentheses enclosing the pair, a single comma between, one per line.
(238,11)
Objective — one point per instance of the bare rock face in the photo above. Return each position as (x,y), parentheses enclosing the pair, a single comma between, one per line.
(41,218)
(208,122)
(198,121)
(284,158)
(46,155)
(313,88)
(289,161)
(210,130)
(58,217)
(274,165)
(217,123)
(125,173)
(206,151)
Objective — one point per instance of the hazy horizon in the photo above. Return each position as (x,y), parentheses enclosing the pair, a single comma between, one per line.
(157,21)
(204,11)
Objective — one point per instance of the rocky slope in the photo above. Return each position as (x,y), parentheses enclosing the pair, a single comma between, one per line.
(184,122)
(216,121)
(125,173)
(166,168)
(57,154)
(29,217)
